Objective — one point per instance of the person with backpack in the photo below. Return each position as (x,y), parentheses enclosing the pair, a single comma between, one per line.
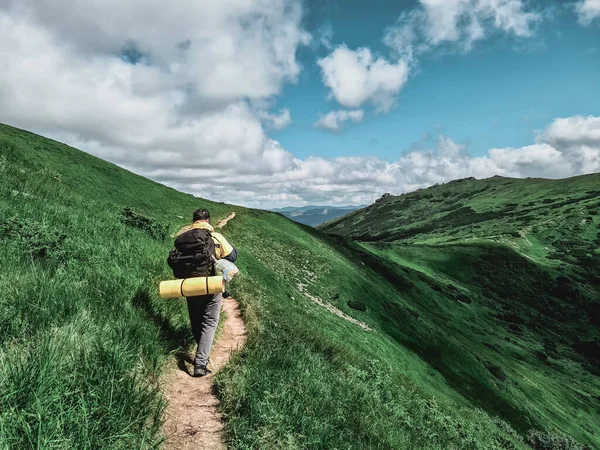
(197,247)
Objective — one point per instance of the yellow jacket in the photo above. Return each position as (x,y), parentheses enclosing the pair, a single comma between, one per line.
(222,247)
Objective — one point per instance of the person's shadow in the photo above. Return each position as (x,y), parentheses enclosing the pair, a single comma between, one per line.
(182,358)
(176,338)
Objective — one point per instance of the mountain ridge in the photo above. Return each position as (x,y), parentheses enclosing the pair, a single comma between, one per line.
(315,215)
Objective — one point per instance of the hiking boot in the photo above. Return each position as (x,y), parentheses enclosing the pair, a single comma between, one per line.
(201,371)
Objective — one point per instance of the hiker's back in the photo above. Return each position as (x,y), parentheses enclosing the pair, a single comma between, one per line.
(193,255)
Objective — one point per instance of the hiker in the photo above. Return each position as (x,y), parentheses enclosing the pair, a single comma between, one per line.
(204,310)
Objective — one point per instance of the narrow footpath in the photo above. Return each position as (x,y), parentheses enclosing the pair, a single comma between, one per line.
(192,418)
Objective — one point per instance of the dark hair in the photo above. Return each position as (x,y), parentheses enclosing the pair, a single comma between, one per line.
(201,214)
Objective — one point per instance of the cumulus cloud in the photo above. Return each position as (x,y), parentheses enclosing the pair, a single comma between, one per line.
(276,121)
(334,120)
(573,131)
(180,95)
(567,147)
(538,160)
(356,76)
(153,91)
(447,147)
(220,51)
(457,22)
(588,10)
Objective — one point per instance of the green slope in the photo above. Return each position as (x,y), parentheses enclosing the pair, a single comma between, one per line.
(514,271)
(496,209)
(84,337)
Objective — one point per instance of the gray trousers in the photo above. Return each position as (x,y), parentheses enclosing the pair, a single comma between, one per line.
(204,316)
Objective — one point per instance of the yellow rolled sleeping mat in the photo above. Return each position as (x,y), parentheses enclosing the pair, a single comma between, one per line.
(191,287)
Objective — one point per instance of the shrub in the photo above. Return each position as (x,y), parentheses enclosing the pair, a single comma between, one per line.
(37,240)
(497,371)
(357,304)
(155,229)
(539,440)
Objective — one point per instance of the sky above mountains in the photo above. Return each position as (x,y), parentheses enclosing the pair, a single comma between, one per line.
(273,102)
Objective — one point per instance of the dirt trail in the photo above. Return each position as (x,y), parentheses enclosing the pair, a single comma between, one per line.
(223,222)
(192,418)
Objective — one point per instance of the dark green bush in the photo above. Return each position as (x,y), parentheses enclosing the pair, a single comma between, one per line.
(497,371)
(155,229)
(357,304)
(539,440)
(37,240)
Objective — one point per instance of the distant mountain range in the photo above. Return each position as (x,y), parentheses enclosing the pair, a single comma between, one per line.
(313,215)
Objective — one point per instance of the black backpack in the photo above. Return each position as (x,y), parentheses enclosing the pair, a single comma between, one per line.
(193,255)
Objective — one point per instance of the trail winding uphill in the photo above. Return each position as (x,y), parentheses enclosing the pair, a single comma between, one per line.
(223,222)
(192,418)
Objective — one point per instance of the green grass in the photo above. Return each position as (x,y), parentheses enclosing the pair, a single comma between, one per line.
(510,270)
(496,209)
(84,336)
(504,310)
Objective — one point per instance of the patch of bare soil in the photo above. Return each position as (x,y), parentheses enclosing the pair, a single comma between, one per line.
(332,309)
(223,222)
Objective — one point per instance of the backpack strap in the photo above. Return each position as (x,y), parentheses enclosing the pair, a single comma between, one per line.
(218,244)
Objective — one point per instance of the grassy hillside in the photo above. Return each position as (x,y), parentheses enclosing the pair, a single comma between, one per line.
(84,336)
(495,209)
(513,268)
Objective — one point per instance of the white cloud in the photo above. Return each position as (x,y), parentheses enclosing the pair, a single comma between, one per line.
(219,51)
(457,22)
(356,76)
(334,120)
(538,160)
(573,131)
(325,34)
(578,140)
(567,147)
(447,147)
(276,121)
(184,106)
(190,112)
(588,10)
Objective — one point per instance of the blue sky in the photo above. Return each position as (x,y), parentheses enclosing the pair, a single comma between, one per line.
(496,95)
(270,103)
